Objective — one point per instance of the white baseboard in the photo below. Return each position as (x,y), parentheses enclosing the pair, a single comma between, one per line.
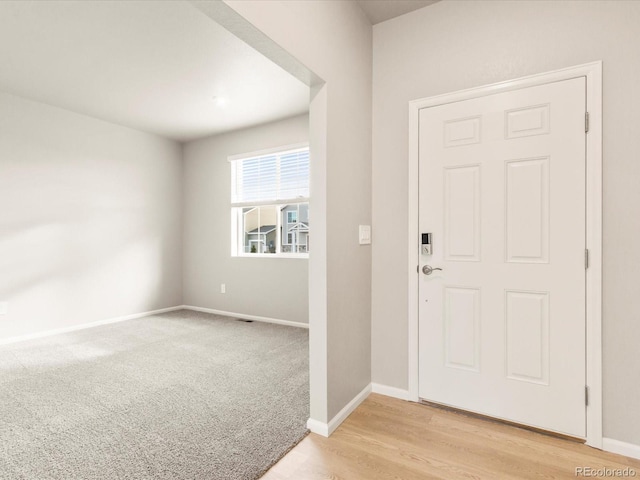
(107,321)
(318,427)
(246,317)
(82,326)
(390,391)
(326,429)
(621,448)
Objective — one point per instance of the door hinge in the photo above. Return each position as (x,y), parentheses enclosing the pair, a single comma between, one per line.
(586,395)
(586,122)
(586,258)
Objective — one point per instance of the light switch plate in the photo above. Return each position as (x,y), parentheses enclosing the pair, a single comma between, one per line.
(4,307)
(365,234)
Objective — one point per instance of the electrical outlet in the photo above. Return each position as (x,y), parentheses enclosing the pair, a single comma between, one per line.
(364,234)
(4,308)
(223,288)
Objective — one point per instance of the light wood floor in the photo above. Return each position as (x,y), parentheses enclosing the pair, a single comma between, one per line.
(387,438)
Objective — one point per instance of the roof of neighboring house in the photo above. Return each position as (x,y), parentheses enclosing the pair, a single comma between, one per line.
(300,227)
(263,229)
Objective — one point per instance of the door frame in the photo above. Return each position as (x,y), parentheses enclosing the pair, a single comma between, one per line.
(593,73)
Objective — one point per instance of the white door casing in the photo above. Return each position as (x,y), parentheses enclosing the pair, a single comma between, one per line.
(501,236)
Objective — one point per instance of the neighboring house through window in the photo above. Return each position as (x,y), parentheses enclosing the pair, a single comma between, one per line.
(297,232)
(270,202)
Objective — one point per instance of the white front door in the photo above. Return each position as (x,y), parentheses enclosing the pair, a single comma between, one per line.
(502,191)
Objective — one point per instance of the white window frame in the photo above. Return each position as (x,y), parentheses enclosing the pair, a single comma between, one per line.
(237,233)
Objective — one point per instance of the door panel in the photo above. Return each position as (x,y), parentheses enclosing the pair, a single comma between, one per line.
(502,190)
(527,210)
(527,324)
(462,328)
(462,213)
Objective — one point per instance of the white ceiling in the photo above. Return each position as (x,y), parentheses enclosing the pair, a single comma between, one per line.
(150,65)
(380,10)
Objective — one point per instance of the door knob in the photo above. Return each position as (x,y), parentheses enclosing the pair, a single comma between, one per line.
(428,269)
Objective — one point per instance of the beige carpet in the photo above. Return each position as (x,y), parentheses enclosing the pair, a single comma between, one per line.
(182,395)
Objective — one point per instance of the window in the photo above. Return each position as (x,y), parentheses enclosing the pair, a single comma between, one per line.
(270,203)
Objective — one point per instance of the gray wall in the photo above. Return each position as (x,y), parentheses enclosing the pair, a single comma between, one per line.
(90,219)
(333,39)
(455,45)
(267,287)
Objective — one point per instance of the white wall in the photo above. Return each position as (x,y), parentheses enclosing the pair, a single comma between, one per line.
(267,287)
(333,39)
(90,223)
(455,45)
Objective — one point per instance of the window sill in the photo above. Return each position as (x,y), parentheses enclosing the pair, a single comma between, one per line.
(303,256)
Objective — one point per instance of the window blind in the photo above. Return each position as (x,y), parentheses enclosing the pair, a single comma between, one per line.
(282,176)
